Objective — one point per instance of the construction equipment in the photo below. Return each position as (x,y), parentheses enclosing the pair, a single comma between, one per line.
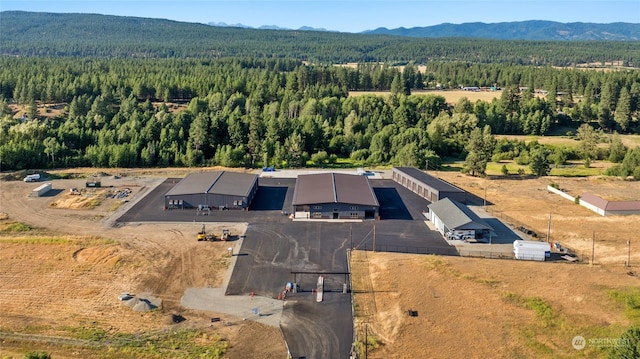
(203,236)
(225,234)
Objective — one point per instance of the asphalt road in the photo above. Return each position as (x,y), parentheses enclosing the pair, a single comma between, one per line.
(275,246)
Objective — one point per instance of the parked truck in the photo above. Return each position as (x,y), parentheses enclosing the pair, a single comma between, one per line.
(531,250)
(32,178)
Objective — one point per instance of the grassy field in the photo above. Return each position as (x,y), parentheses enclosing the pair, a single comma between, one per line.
(631,141)
(451,96)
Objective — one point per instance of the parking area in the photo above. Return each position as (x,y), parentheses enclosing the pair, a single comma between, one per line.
(274,246)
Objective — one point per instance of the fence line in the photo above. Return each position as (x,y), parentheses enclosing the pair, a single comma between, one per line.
(462,252)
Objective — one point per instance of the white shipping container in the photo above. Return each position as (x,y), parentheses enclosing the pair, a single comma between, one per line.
(41,190)
(531,250)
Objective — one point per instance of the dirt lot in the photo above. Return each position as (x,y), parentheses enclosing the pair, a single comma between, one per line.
(474,307)
(61,274)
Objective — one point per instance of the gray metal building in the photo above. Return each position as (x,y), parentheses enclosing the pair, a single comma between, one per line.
(215,190)
(454,220)
(334,196)
(426,186)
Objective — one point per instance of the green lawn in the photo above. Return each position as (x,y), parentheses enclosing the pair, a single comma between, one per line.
(572,170)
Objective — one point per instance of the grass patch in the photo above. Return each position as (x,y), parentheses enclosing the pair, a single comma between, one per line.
(629,300)
(576,171)
(544,312)
(15,227)
(177,343)
(489,282)
(495,168)
(41,240)
(573,170)
(372,343)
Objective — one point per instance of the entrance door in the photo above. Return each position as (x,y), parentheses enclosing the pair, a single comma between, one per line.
(335,215)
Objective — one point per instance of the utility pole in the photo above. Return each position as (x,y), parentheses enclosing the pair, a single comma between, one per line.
(628,253)
(484,203)
(593,246)
(351,235)
(374,237)
(549,229)
(366,340)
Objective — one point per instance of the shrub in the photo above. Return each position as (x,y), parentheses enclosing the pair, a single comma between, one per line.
(37,355)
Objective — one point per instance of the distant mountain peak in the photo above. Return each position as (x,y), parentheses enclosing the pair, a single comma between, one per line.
(265,27)
(523,30)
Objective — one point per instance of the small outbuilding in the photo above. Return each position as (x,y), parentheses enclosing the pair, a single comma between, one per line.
(426,186)
(454,220)
(213,190)
(334,196)
(609,208)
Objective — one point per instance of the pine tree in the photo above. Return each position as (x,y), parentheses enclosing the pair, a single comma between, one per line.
(622,115)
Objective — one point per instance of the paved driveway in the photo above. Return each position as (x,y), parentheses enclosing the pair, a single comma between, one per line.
(275,246)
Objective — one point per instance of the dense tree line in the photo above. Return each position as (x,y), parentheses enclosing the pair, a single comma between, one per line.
(82,35)
(281,112)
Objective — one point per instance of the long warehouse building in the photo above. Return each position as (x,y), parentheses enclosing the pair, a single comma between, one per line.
(426,186)
(214,190)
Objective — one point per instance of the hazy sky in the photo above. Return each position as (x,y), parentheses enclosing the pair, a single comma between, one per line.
(347,15)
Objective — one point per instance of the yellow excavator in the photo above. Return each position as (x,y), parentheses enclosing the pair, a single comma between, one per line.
(203,236)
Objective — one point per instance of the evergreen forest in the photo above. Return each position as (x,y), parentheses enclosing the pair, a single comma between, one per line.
(126,103)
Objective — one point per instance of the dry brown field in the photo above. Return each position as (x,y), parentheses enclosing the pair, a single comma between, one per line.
(63,276)
(478,308)
(451,96)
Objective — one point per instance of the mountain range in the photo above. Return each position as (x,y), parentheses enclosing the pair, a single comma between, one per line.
(522,30)
(265,27)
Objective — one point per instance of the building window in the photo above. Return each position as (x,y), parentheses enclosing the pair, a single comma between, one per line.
(317,214)
(317,207)
(353,214)
(353,208)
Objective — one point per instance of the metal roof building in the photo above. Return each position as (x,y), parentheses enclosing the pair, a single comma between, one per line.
(426,186)
(609,208)
(454,220)
(215,190)
(334,196)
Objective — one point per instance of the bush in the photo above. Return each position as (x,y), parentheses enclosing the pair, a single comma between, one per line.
(523,159)
(628,345)
(37,355)
(360,155)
